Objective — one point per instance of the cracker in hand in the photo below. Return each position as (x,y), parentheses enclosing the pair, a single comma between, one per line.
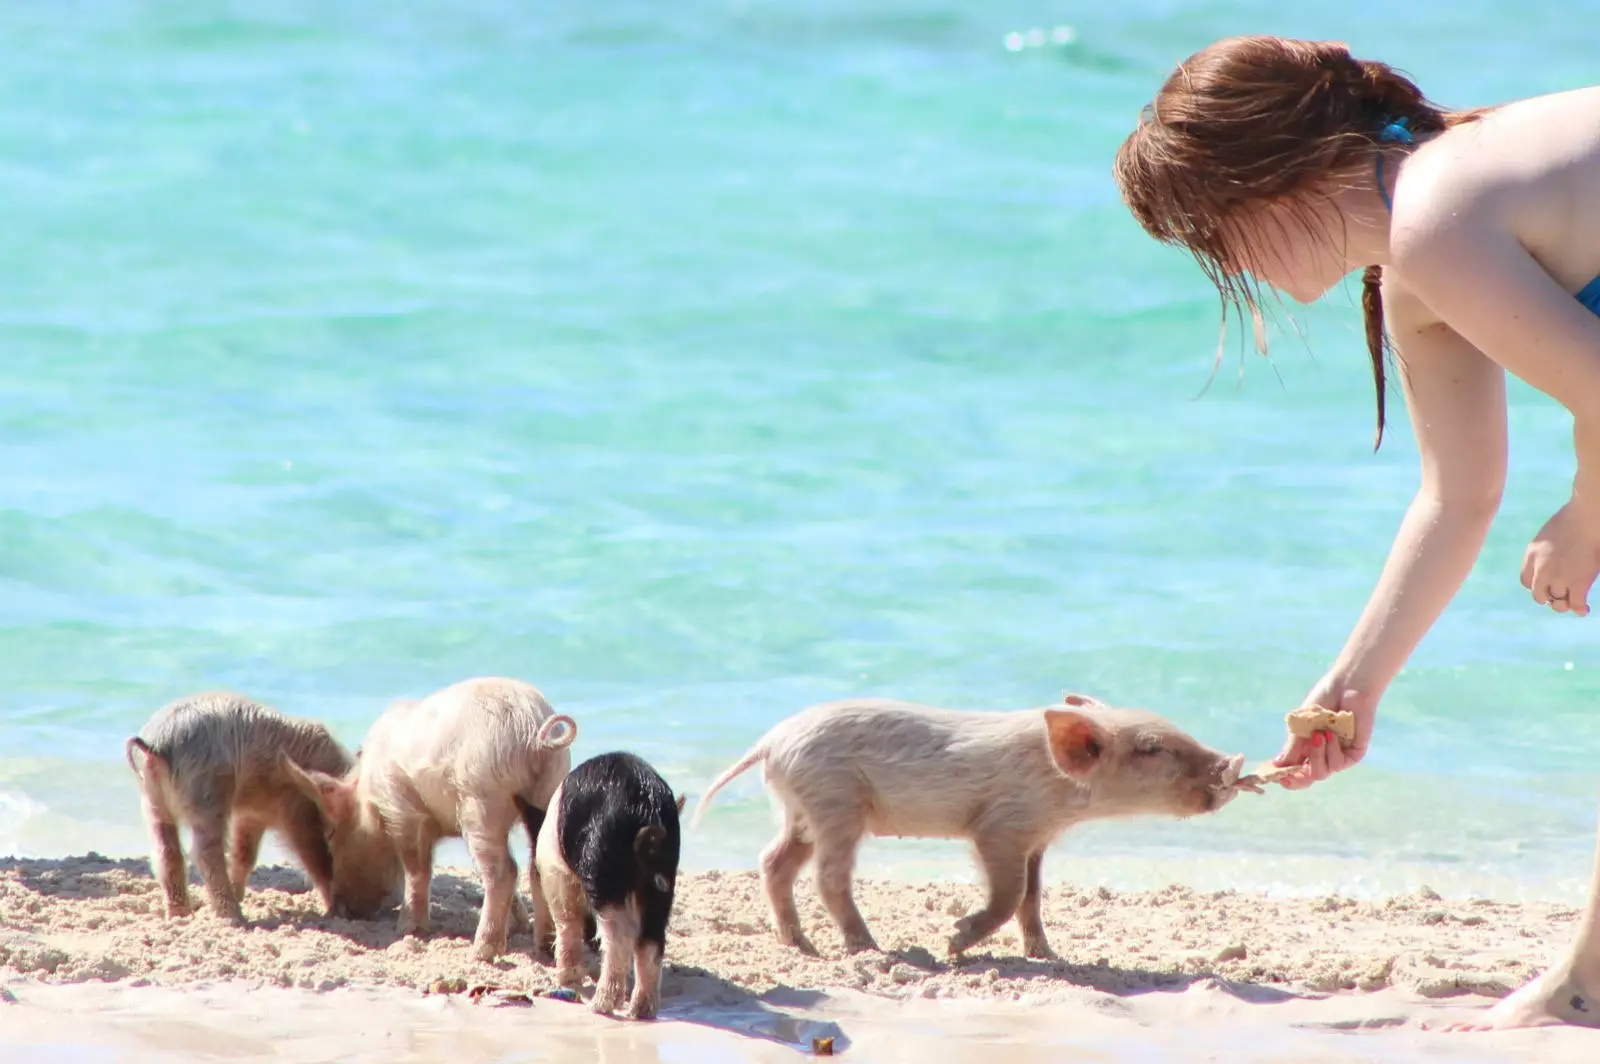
(1304,723)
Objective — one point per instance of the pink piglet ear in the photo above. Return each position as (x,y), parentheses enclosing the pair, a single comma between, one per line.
(335,798)
(1077,744)
(1072,698)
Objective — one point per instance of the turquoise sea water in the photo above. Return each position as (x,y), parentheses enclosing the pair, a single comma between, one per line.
(698,362)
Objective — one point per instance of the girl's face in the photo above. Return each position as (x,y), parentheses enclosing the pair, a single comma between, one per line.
(1292,245)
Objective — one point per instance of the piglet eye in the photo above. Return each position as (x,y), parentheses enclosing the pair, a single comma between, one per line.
(1149,750)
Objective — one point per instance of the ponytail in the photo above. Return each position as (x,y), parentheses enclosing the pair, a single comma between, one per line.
(1377,339)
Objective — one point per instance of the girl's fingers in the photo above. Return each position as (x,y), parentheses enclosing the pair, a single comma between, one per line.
(1320,756)
(1317,762)
(1294,752)
(1580,595)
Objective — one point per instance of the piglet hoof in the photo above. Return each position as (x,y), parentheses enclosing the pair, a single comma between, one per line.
(642,1010)
(409,927)
(856,944)
(572,978)
(606,1004)
(177,910)
(795,940)
(230,915)
(487,951)
(1038,949)
(960,942)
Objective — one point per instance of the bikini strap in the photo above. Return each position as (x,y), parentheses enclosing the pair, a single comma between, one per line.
(1395,131)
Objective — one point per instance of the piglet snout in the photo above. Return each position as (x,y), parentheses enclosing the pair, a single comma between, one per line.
(1224,786)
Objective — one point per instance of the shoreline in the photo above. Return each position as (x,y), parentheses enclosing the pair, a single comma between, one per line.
(75,930)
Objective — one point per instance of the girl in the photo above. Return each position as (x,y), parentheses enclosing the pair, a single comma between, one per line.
(1290,164)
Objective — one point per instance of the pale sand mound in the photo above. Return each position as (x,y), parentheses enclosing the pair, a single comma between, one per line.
(90,918)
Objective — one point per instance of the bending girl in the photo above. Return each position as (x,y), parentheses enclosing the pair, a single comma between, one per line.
(1291,164)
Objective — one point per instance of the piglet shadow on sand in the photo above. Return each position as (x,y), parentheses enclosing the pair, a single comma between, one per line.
(1108,978)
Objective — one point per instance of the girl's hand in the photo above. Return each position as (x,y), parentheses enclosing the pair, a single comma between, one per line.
(1563,560)
(1322,755)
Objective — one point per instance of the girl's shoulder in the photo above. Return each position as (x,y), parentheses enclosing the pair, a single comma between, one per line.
(1529,169)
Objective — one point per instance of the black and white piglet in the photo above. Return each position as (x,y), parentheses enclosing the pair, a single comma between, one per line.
(610,853)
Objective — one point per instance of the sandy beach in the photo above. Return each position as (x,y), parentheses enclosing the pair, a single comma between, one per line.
(89,962)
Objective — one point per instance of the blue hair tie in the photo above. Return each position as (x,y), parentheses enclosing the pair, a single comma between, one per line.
(1397,131)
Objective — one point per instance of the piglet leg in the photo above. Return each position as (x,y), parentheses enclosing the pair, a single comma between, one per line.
(781,863)
(168,864)
(210,855)
(1005,865)
(570,913)
(415,849)
(836,861)
(1034,942)
(544,931)
(242,853)
(646,1002)
(491,853)
(619,935)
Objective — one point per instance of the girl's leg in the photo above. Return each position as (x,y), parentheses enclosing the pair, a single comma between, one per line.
(1569,990)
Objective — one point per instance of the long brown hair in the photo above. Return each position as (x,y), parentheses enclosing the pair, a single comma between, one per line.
(1252,120)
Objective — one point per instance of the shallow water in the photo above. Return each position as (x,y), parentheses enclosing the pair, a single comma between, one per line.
(207,1026)
(698,362)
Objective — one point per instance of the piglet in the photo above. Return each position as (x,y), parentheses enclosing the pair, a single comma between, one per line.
(470,761)
(215,762)
(1009,782)
(611,851)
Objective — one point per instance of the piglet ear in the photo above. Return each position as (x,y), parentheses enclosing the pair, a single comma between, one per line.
(335,798)
(1072,698)
(682,798)
(1077,744)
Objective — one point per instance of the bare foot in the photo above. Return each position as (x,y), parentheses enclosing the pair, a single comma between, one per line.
(1555,997)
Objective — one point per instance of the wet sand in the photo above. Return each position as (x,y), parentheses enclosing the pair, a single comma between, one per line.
(93,965)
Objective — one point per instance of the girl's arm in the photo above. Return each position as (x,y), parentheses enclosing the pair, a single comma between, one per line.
(1457,403)
(1461,257)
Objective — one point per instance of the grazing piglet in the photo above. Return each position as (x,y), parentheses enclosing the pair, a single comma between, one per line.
(214,761)
(467,761)
(611,851)
(1010,782)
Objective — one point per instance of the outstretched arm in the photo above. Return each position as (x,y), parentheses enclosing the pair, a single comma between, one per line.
(1456,399)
